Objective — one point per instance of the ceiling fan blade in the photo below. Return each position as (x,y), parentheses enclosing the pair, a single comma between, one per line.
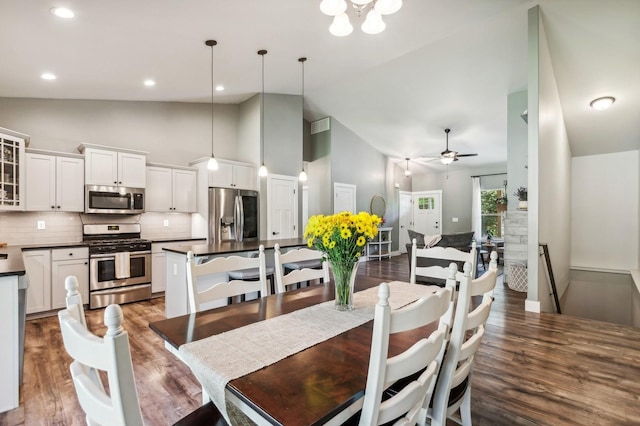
(467,155)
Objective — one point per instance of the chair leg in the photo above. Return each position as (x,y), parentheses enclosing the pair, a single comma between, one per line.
(465,408)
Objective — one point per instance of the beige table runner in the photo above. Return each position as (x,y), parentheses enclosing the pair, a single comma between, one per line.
(218,359)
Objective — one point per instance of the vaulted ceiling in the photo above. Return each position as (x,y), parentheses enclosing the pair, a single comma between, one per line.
(439,64)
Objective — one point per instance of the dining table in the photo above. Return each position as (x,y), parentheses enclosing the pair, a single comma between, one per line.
(316,375)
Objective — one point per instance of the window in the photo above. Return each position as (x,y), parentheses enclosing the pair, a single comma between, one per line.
(491,220)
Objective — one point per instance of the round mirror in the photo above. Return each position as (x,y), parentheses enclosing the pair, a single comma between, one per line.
(378,206)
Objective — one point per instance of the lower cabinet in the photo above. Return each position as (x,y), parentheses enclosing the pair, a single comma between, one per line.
(46,273)
(159,263)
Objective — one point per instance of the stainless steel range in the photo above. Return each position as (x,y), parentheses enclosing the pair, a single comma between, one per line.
(119,264)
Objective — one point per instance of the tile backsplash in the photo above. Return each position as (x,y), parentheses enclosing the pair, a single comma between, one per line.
(21,228)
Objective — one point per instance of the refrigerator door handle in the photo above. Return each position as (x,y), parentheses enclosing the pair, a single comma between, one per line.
(241,204)
(238,218)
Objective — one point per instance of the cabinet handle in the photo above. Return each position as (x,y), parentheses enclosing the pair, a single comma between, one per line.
(70,254)
(86,263)
(119,183)
(53,207)
(58,206)
(115,182)
(275,233)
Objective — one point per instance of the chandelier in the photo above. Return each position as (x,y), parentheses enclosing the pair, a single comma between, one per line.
(373,23)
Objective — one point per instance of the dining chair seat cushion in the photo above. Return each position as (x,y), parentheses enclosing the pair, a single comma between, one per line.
(250,273)
(302,264)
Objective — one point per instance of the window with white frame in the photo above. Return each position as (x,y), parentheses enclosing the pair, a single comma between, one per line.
(491,220)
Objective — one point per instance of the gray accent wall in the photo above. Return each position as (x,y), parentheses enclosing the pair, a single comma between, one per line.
(516,146)
(172,132)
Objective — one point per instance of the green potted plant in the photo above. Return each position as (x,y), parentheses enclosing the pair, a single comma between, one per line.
(501,204)
(521,193)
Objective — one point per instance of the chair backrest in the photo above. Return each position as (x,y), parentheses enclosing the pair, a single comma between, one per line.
(440,254)
(466,335)
(422,355)
(225,288)
(120,406)
(298,275)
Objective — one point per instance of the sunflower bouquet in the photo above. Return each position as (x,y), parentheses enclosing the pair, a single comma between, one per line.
(342,237)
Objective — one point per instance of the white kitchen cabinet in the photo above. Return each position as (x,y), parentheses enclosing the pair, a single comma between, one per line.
(9,342)
(54,183)
(46,271)
(110,166)
(170,189)
(37,264)
(12,145)
(159,263)
(233,174)
(65,262)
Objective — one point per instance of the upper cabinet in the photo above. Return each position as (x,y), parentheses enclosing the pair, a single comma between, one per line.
(233,174)
(170,189)
(12,145)
(54,182)
(110,166)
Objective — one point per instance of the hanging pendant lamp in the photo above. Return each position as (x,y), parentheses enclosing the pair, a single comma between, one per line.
(262,171)
(303,175)
(407,172)
(212,164)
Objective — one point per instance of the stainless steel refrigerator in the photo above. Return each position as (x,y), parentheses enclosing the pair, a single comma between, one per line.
(233,215)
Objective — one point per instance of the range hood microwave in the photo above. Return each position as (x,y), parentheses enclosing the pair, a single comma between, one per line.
(113,200)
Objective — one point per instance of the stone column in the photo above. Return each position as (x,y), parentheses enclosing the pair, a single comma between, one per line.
(515,239)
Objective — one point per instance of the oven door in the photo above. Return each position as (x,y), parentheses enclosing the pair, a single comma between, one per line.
(109,270)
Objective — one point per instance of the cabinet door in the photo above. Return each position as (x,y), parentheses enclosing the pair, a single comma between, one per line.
(37,265)
(184,191)
(41,182)
(69,184)
(223,177)
(11,173)
(101,167)
(132,170)
(244,177)
(158,272)
(158,192)
(60,271)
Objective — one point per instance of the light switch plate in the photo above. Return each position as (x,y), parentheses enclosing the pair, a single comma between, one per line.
(166,222)
(41,224)
(454,219)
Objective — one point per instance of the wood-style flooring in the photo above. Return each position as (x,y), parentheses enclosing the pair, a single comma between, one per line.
(531,369)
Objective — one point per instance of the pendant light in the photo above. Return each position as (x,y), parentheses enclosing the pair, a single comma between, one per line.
(262,171)
(407,172)
(212,164)
(303,174)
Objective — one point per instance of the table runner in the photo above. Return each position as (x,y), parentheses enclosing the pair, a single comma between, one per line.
(218,359)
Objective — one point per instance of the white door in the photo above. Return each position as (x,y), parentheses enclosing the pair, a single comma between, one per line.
(404,220)
(282,207)
(427,212)
(344,197)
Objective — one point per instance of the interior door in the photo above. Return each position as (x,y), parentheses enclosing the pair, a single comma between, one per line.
(404,219)
(282,205)
(427,212)
(344,197)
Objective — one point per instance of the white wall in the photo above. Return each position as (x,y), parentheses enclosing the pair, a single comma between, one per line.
(550,185)
(604,211)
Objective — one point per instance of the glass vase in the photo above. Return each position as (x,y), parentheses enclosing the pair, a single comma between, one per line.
(344,276)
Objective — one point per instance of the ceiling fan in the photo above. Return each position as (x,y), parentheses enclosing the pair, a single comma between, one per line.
(447,156)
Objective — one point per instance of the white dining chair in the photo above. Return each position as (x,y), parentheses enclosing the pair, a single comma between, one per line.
(407,405)
(453,389)
(438,260)
(91,353)
(225,288)
(297,266)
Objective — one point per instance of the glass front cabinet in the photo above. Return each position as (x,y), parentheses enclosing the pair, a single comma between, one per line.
(12,146)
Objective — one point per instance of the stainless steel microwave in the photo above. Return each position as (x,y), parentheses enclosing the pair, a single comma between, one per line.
(113,199)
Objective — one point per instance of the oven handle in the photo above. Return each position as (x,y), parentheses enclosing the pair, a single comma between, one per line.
(132,254)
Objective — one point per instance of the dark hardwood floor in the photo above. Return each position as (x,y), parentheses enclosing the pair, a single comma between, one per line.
(531,369)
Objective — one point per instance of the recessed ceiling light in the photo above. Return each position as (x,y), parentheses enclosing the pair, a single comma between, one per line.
(149,83)
(48,76)
(63,12)
(602,103)
(219,88)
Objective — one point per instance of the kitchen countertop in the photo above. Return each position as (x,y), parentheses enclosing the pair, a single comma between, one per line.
(235,246)
(48,246)
(175,240)
(11,261)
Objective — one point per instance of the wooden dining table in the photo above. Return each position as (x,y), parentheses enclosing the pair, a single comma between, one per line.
(323,384)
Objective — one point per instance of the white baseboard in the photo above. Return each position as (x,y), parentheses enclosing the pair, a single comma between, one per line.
(532,306)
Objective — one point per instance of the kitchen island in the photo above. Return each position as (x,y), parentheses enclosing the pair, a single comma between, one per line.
(12,284)
(176,303)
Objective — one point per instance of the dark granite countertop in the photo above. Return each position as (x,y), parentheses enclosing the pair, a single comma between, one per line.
(174,240)
(11,261)
(49,246)
(234,246)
